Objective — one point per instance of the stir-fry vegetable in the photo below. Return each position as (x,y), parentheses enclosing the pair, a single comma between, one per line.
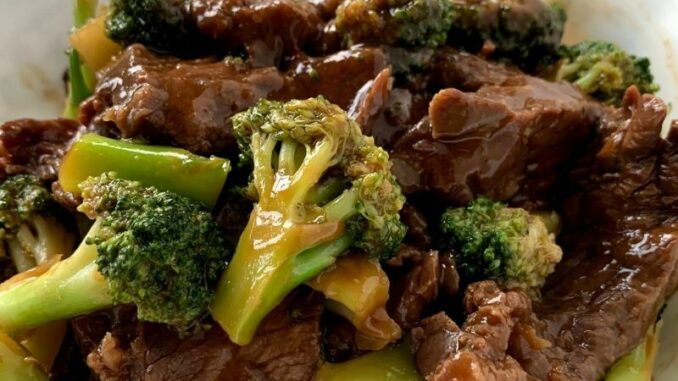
(357,288)
(16,364)
(31,228)
(295,231)
(604,70)
(509,245)
(156,249)
(80,78)
(638,365)
(92,44)
(389,364)
(166,168)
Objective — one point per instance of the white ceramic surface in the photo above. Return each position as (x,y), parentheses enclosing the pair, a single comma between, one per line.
(32,62)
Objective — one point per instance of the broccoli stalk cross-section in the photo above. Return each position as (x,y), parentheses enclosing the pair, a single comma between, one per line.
(604,70)
(492,241)
(156,249)
(299,225)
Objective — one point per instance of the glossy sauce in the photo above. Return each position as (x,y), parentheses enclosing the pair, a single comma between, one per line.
(357,288)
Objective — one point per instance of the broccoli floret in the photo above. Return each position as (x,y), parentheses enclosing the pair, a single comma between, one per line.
(604,70)
(167,168)
(161,25)
(492,241)
(526,33)
(156,249)
(31,226)
(395,22)
(300,224)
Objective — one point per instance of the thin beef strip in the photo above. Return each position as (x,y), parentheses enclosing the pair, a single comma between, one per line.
(428,275)
(622,259)
(267,29)
(189,103)
(286,347)
(338,77)
(502,141)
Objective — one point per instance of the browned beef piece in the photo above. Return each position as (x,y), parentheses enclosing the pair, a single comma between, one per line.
(621,260)
(7,268)
(427,275)
(267,29)
(36,147)
(286,348)
(502,141)
(187,103)
(339,339)
(337,77)
(371,101)
(477,350)
(417,226)
(467,72)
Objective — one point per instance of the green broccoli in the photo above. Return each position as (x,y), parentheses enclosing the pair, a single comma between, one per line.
(161,25)
(322,187)
(525,32)
(492,241)
(31,225)
(638,365)
(80,79)
(604,70)
(156,249)
(166,168)
(395,22)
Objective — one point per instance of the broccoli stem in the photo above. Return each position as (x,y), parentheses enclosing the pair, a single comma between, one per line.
(392,363)
(277,253)
(77,85)
(22,259)
(44,342)
(254,293)
(15,363)
(165,168)
(71,287)
(325,191)
(83,10)
(78,74)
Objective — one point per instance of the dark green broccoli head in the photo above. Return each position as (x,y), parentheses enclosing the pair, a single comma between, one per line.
(604,70)
(158,24)
(395,22)
(159,250)
(21,197)
(525,32)
(492,241)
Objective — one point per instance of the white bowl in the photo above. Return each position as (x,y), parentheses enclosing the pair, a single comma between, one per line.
(32,61)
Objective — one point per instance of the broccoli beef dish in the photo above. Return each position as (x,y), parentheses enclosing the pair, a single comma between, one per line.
(338,190)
